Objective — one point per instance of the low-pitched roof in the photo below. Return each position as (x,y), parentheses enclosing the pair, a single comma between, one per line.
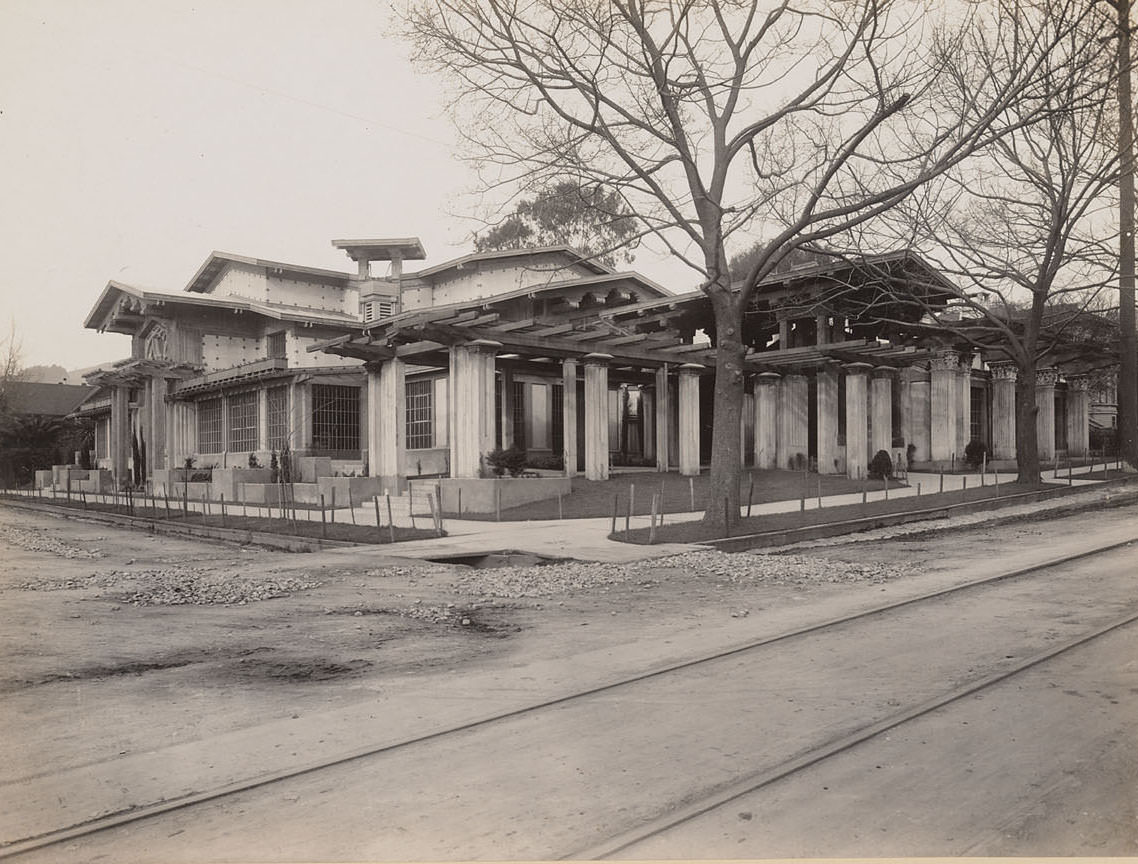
(576,255)
(54,400)
(207,274)
(114,290)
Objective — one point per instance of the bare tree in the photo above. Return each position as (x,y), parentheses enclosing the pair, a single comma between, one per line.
(720,121)
(1025,229)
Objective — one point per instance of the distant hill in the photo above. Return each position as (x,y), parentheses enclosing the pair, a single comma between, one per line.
(45,375)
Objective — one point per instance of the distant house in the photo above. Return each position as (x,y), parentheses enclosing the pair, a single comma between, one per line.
(37,429)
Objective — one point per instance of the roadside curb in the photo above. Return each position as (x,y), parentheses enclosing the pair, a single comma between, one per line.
(787,536)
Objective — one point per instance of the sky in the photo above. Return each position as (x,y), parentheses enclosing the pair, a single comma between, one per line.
(137,137)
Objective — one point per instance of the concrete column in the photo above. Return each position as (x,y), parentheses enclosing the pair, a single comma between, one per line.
(387,420)
(793,419)
(663,420)
(766,419)
(472,420)
(857,421)
(1078,415)
(827,410)
(904,385)
(597,416)
(507,408)
(263,419)
(569,415)
(783,334)
(1045,380)
(120,435)
(882,419)
(648,422)
(963,405)
(300,400)
(943,396)
(689,419)
(156,447)
(1003,410)
(920,432)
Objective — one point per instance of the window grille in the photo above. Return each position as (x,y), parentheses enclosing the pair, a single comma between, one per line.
(335,418)
(275,345)
(519,412)
(278,417)
(557,420)
(209,426)
(420,414)
(976,420)
(242,421)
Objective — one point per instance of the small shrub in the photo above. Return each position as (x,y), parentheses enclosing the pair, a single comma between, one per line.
(547,462)
(798,462)
(974,453)
(201,476)
(274,468)
(881,466)
(910,452)
(253,463)
(188,463)
(512,460)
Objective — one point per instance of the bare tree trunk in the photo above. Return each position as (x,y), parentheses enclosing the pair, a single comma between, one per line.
(1027,443)
(726,458)
(1128,351)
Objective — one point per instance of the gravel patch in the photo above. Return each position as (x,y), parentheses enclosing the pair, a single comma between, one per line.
(738,569)
(40,540)
(178,586)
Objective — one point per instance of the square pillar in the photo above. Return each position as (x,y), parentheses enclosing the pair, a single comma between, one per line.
(1045,381)
(1003,410)
(472,420)
(766,419)
(507,408)
(569,415)
(827,412)
(120,435)
(793,419)
(943,397)
(387,423)
(156,409)
(882,419)
(689,419)
(597,416)
(963,405)
(857,421)
(300,398)
(1078,415)
(648,422)
(663,420)
(263,418)
(920,430)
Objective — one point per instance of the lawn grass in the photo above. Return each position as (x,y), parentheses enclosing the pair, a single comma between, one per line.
(694,532)
(303,526)
(595,498)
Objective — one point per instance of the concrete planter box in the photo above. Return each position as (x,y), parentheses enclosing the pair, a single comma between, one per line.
(261,493)
(45,479)
(481,496)
(97,482)
(309,468)
(228,481)
(355,489)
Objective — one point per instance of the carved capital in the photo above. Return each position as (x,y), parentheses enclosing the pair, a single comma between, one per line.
(1046,377)
(767,379)
(1005,371)
(857,368)
(597,359)
(944,361)
(1080,383)
(883,372)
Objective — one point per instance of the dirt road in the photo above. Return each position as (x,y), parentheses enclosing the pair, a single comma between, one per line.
(99,682)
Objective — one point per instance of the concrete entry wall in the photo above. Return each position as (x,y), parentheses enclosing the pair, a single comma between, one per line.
(481,496)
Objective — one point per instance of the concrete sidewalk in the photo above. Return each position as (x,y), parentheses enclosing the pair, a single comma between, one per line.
(587,539)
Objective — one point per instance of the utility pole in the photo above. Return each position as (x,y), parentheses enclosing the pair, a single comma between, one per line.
(1127,342)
